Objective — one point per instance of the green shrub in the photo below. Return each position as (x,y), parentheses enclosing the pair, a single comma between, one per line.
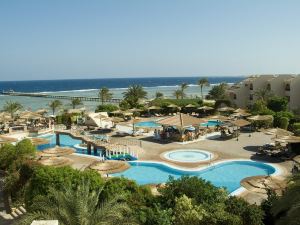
(106,108)
(44,177)
(283,122)
(277,104)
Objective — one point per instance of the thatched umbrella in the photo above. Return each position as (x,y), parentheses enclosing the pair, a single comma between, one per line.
(56,161)
(181,121)
(57,151)
(120,112)
(219,117)
(117,119)
(39,141)
(111,166)
(172,106)
(261,184)
(205,108)
(225,109)
(260,118)
(190,106)
(5,117)
(289,139)
(154,107)
(41,111)
(278,132)
(5,140)
(27,115)
(135,110)
(240,123)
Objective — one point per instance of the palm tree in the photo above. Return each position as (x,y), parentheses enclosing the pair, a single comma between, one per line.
(133,94)
(12,107)
(105,94)
(177,94)
(75,102)
(203,83)
(78,206)
(159,95)
(183,86)
(55,104)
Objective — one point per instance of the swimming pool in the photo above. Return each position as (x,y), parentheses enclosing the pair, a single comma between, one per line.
(211,123)
(225,174)
(188,155)
(150,124)
(66,140)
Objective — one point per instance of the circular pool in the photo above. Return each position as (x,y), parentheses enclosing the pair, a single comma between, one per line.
(188,155)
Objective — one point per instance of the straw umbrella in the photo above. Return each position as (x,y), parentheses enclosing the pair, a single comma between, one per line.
(56,161)
(41,111)
(154,107)
(225,109)
(278,132)
(261,118)
(5,140)
(205,108)
(57,151)
(111,166)
(219,117)
(172,106)
(39,141)
(5,117)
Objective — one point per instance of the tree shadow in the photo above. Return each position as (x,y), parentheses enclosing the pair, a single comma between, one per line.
(252,148)
(151,139)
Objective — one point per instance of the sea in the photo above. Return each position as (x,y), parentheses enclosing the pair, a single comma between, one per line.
(90,88)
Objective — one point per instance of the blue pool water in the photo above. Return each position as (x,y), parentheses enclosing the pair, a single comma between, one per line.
(65,140)
(211,123)
(188,155)
(227,174)
(151,124)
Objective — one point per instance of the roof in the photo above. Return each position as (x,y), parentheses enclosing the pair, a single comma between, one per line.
(181,120)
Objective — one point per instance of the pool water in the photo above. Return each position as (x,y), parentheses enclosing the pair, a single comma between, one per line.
(227,174)
(151,124)
(65,140)
(188,155)
(211,123)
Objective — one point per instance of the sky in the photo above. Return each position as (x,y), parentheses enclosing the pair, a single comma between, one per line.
(69,39)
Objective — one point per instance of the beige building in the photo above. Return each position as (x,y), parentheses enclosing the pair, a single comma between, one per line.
(243,94)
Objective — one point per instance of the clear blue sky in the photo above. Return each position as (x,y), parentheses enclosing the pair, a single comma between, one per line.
(57,39)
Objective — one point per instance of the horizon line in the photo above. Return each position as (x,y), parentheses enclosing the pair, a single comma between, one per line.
(133,77)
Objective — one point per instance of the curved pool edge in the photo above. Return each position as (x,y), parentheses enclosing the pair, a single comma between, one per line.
(278,170)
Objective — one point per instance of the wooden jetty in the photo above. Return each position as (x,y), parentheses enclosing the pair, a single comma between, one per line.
(41,95)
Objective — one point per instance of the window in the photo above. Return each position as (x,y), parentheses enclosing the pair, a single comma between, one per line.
(269,87)
(288,98)
(251,86)
(251,97)
(234,96)
(246,85)
(287,87)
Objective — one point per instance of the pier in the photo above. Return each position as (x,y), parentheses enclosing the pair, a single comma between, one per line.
(40,95)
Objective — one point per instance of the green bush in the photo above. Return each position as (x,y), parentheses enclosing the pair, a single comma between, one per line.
(44,177)
(106,108)
(283,122)
(277,104)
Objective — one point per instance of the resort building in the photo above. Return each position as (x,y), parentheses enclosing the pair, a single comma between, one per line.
(243,94)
